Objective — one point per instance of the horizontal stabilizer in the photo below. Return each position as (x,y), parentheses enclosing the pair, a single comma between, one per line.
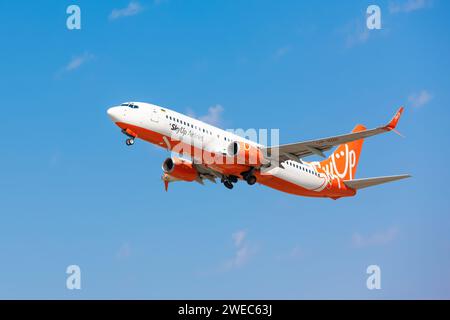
(368,182)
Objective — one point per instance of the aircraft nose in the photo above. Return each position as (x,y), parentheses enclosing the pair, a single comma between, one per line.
(113,113)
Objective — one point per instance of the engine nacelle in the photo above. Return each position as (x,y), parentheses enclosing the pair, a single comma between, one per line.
(245,153)
(180,169)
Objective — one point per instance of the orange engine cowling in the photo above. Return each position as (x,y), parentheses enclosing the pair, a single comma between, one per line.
(245,153)
(180,169)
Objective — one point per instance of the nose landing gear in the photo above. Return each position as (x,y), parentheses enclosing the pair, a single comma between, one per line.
(131,136)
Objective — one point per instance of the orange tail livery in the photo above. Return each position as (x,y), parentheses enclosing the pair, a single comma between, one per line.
(344,161)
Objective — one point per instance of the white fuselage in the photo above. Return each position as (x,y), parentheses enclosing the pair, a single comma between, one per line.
(177,126)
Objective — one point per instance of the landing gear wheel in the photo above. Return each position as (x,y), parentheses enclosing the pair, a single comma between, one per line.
(251,180)
(129,142)
(228,184)
(233,179)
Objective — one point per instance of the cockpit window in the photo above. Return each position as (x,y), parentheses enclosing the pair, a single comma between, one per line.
(130,105)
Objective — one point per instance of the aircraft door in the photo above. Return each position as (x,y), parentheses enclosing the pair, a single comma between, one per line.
(155,115)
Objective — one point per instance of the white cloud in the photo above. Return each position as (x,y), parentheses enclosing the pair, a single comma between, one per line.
(282,51)
(238,237)
(240,258)
(190,112)
(420,99)
(356,32)
(132,9)
(296,252)
(213,116)
(78,61)
(376,239)
(55,158)
(243,251)
(409,5)
(124,251)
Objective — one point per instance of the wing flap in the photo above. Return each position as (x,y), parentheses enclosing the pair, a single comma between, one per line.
(368,182)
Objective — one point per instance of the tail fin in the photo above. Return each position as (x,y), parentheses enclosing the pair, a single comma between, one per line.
(344,161)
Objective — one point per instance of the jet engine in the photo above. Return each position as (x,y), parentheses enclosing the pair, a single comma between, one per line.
(245,153)
(180,169)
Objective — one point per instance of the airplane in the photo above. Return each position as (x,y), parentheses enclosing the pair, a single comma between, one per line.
(210,153)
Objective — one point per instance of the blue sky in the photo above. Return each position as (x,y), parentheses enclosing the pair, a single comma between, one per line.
(71,192)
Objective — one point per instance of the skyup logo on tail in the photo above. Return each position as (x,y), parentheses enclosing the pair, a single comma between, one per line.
(343,162)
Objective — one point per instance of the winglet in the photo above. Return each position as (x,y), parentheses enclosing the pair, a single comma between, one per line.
(393,123)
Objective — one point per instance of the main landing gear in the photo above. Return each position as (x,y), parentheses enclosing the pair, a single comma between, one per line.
(249,177)
(228,184)
(251,180)
(228,181)
(129,142)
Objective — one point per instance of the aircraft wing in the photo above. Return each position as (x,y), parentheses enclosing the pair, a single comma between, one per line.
(294,151)
(206,173)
